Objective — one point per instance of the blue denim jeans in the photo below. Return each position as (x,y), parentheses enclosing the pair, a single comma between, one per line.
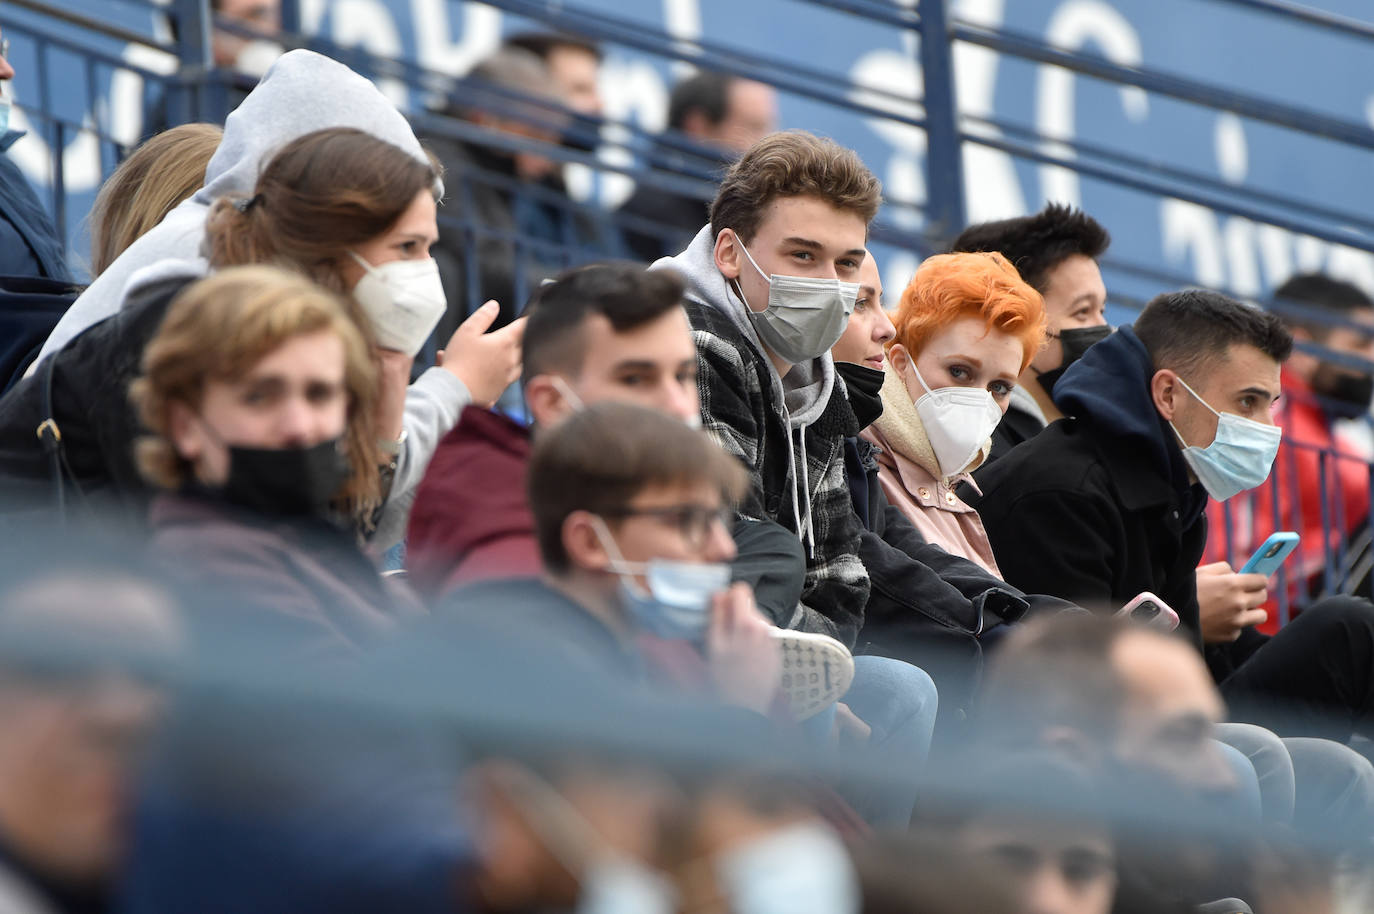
(898,702)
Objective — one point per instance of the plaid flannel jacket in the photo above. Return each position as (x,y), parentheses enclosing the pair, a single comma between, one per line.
(739,407)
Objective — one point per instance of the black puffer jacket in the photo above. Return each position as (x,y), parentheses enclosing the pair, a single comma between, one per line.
(90,380)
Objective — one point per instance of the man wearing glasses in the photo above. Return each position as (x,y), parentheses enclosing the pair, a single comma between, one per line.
(29,245)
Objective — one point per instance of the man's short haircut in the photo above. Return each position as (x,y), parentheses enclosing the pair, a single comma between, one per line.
(1317,291)
(626,294)
(1038,243)
(542,44)
(1055,672)
(706,91)
(948,287)
(1183,331)
(793,163)
(600,458)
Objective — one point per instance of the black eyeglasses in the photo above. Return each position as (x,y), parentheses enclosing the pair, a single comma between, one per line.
(694,522)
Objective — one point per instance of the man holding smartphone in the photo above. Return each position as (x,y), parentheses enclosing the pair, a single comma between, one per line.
(1110,502)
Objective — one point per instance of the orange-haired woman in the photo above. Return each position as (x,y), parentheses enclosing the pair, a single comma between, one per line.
(967,326)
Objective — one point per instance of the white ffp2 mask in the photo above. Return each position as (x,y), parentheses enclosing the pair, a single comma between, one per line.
(403,299)
(958,421)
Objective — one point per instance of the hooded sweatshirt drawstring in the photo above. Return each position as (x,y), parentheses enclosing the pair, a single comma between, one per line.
(806,533)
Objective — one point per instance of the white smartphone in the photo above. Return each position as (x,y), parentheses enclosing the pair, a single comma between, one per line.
(1148,609)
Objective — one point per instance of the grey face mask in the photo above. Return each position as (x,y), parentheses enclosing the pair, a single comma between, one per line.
(805,315)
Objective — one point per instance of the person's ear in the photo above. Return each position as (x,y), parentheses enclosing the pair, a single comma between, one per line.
(729,254)
(184,431)
(1165,391)
(582,543)
(899,359)
(547,405)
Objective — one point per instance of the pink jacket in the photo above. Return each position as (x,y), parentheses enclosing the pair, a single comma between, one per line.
(908,473)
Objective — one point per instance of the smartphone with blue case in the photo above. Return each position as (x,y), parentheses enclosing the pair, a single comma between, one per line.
(1271,553)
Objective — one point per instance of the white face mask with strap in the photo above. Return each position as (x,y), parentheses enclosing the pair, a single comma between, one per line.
(404,300)
(957,420)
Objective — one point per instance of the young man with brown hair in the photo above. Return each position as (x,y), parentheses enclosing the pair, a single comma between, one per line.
(772,281)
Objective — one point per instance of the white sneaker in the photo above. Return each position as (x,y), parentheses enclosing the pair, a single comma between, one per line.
(816,671)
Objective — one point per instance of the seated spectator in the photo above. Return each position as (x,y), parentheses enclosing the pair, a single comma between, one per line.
(772,281)
(355,213)
(29,245)
(1110,503)
(966,327)
(302,93)
(1055,251)
(260,394)
(232,50)
(628,505)
(574,66)
(518,224)
(723,114)
(927,606)
(83,638)
(1316,394)
(149,184)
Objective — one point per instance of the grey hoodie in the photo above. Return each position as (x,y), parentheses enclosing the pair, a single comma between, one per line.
(301,93)
(750,424)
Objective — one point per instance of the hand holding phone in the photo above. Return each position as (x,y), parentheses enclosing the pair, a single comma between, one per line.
(1271,553)
(1148,609)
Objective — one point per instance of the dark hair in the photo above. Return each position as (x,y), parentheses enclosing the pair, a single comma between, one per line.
(1058,671)
(1037,244)
(544,43)
(319,196)
(707,92)
(599,459)
(1183,330)
(1334,297)
(793,163)
(626,294)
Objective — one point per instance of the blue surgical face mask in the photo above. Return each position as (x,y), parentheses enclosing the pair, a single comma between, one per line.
(677,601)
(1239,458)
(4,116)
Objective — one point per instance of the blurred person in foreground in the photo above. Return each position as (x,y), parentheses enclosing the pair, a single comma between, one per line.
(725,115)
(259,392)
(84,635)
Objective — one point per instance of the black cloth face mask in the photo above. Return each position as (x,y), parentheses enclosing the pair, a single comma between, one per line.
(289,481)
(863,385)
(1343,395)
(1074,342)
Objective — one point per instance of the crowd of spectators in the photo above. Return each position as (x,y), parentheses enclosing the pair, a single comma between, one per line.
(380,537)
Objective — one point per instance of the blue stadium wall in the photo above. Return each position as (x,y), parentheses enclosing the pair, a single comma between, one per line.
(1215,42)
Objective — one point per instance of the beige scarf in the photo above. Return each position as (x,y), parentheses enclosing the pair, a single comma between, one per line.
(901,425)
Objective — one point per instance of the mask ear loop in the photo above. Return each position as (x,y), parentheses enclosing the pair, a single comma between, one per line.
(626,570)
(568,393)
(1185,445)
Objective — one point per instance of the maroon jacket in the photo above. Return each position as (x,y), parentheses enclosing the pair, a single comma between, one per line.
(471,520)
(304,584)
